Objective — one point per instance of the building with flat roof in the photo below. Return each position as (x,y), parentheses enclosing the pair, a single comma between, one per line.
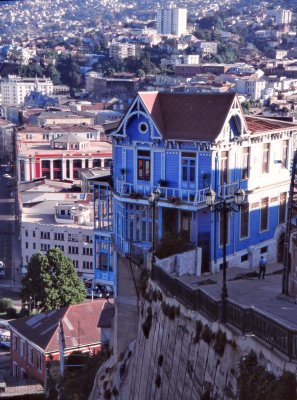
(14,89)
(59,158)
(58,219)
(172,20)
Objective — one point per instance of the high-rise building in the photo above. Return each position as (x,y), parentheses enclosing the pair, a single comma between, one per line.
(283,16)
(172,20)
(14,89)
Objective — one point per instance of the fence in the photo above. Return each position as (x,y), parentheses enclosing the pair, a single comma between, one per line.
(247,319)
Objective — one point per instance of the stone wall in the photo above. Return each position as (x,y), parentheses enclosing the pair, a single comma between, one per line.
(179,354)
(188,262)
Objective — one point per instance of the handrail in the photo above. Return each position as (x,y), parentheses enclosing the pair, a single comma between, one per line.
(192,196)
(246,318)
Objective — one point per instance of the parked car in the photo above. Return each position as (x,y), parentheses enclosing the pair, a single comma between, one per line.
(97,294)
(106,290)
(7,176)
(4,334)
(2,269)
(88,283)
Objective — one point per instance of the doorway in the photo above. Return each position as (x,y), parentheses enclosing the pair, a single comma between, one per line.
(281,248)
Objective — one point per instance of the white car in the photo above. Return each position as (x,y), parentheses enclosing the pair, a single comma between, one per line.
(7,176)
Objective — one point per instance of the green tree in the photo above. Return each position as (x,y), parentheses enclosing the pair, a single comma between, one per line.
(77,383)
(140,73)
(69,70)
(52,72)
(31,70)
(109,72)
(51,282)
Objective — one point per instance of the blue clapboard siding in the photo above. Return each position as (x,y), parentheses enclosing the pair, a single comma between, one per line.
(133,128)
(118,161)
(130,166)
(157,167)
(204,168)
(172,168)
(204,221)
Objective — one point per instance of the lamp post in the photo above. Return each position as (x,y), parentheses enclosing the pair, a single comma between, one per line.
(153,199)
(290,204)
(224,206)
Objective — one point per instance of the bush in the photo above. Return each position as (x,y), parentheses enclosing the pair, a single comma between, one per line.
(160,360)
(220,342)
(158,381)
(146,326)
(206,334)
(172,244)
(170,311)
(254,382)
(11,312)
(5,304)
(199,327)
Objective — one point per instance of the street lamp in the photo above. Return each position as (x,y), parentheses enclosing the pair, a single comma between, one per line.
(224,206)
(153,199)
(290,205)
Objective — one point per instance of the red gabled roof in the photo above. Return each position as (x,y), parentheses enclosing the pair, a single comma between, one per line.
(260,124)
(188,116)
(79,324)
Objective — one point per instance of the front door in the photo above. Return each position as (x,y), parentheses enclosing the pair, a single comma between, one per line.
(204,243)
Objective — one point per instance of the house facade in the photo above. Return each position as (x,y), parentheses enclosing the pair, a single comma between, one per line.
(182,144)
(53,336)
(59,158)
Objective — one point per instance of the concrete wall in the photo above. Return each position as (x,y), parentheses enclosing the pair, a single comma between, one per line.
(126,305)
(189,368)
(185,263)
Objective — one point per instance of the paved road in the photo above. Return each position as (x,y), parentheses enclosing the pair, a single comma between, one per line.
(262,294)
(9,243)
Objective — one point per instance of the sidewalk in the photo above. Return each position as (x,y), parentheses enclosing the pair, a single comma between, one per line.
(262,294)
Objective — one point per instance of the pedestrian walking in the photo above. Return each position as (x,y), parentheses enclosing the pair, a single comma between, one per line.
(262,267)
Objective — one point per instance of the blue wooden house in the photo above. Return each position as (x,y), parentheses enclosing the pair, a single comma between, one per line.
(183,144)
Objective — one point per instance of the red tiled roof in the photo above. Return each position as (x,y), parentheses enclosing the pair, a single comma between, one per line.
(79,323)
(188,116)
(106,316)
(96,106)
(258,124)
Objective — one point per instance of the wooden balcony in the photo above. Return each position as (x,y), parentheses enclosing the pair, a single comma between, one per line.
(171,194)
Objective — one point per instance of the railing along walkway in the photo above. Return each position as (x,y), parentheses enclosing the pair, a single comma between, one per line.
(246,318)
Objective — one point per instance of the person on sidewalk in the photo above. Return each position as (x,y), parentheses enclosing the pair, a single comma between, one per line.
(262,267)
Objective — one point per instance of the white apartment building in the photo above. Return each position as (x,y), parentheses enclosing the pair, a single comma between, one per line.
(172,20)
(253,88)
(283,16)
(7,140)
(120,51)
(14,89)
(90,78)
(65,223)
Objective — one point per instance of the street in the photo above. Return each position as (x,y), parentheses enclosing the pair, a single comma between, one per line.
(9,243)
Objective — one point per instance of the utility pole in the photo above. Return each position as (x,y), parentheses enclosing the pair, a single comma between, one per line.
(292,201)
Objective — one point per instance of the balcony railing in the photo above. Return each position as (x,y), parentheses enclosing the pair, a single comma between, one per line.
(107,276)
(247,319)
(228,189)
(171,194)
